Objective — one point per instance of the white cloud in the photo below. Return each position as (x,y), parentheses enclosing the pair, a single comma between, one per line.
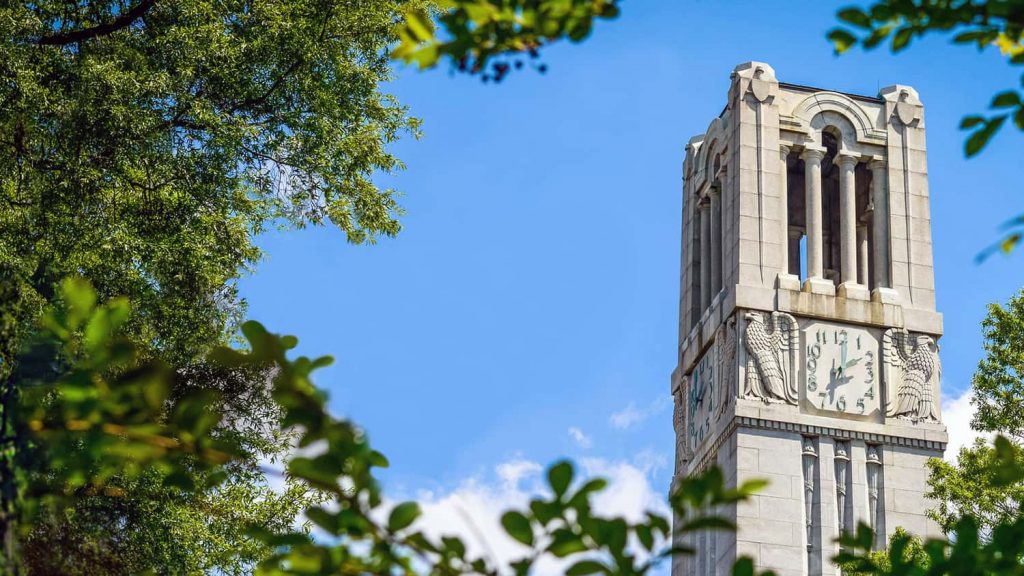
(957,413)
(631,414)
(473,509)
(513,471)
(582,440)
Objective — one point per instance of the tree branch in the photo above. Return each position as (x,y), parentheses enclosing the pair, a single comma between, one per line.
(123,21)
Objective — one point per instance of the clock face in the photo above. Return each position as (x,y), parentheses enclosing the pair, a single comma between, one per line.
(699,402)
(841,369)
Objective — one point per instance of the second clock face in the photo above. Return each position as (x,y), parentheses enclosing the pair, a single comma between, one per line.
(841,369)
(700,401)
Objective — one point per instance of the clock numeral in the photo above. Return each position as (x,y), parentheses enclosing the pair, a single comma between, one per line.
(841,403)
(861,405)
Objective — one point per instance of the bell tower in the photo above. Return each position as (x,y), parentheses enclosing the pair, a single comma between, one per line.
(808,335)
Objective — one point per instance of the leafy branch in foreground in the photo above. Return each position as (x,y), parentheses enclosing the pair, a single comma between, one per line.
(992,23)
(94,408)
(987,23)
(489,37)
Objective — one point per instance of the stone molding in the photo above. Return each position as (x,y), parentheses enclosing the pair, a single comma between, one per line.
(710,452)
(825,101)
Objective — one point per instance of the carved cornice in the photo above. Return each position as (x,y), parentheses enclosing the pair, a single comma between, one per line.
(838,433)
(710,452)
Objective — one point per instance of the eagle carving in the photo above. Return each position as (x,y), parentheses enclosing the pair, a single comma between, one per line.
(912,368)
(772,344)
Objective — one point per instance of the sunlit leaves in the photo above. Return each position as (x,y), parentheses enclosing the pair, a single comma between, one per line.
(110,414)
(492,37)
(983,24)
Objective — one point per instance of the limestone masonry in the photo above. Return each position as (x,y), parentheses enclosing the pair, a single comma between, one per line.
(808,334)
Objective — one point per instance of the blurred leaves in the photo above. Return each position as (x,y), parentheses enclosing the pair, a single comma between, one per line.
(983,24)
(493,37)
(105,411)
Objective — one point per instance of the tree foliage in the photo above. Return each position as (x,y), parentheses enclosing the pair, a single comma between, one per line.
(972,487)
(992,23)
(102,418)
(491,37)
(911,548)
(999,381)
(984,24)
(970,549)
(143,144)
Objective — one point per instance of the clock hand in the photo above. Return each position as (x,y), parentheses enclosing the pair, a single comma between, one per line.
(842,354)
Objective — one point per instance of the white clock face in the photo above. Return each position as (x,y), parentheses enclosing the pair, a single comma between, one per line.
(841,369)
(700,398)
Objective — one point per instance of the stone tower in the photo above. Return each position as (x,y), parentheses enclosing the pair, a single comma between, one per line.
(808,333)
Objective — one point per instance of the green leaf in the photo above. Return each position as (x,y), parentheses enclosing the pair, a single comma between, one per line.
(743,567)
(1009,243)
(1007,99)
(901,39)
(842,40)
(308,470)
(80,299)
(645,536)
(324,519)
(559,477)
(981,137)
(584,567)
(518,526)
(855,16)
(970,122)
(418,23)
(564,542)
(403,515)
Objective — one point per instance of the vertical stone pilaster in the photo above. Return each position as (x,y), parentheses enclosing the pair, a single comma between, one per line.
(705,255)
(784,207)
(716,240)
(755,124)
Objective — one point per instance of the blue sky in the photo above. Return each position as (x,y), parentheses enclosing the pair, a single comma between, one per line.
(534,288)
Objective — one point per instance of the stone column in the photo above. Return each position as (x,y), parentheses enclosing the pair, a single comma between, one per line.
(882,290)
(786,280)
(815,267)
(705,255)
(849,288)
(847,217)
(716,241)
(862,255)
(784,205)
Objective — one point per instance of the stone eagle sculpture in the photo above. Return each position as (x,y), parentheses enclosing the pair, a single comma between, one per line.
(912,364)
(772,349)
